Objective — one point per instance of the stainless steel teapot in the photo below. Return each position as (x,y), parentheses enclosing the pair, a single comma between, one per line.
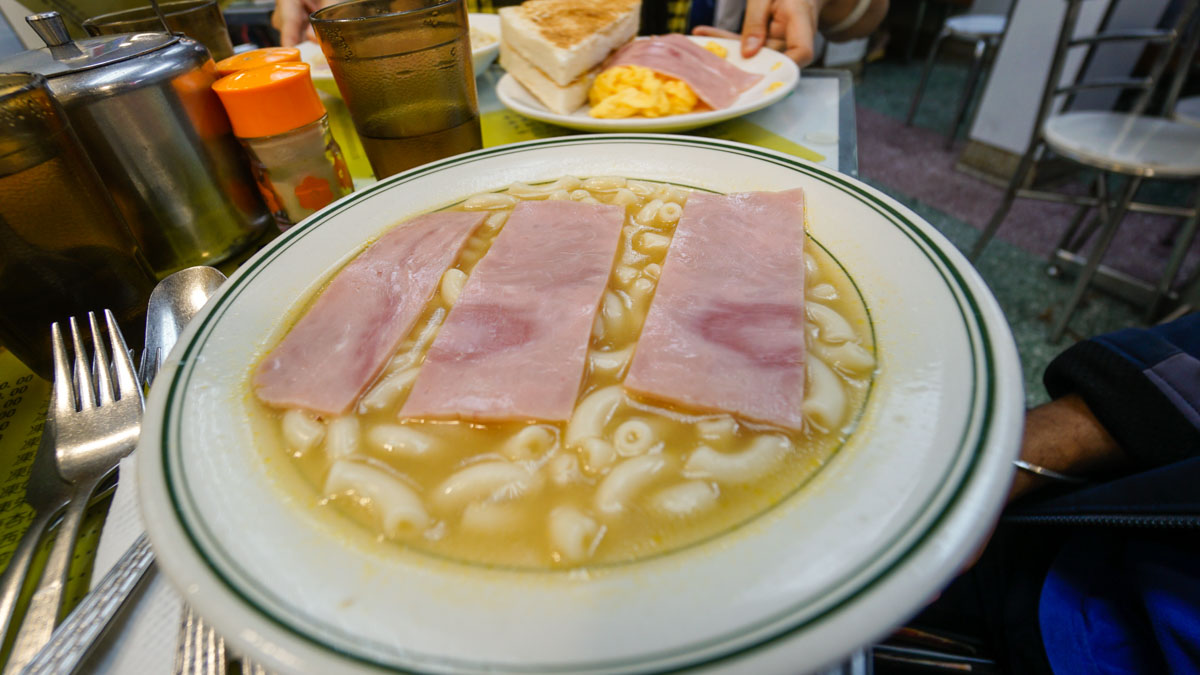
(143,107)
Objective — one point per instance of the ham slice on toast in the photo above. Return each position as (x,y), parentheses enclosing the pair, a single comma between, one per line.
(716,81)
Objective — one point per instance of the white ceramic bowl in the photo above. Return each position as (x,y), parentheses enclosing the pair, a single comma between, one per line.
(836,565)
(483,55)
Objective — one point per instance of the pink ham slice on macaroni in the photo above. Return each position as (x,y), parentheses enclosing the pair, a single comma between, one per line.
(515,345)
(726,329)
(339,347)
(716,81)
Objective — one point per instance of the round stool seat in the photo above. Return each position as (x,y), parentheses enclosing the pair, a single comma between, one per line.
(1129,144)
(975,26)
(1187,110)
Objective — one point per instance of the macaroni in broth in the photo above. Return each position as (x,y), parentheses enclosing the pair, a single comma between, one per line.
(624,478)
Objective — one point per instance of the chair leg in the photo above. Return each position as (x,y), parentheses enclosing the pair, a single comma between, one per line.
(1072,238)
(1189,299)
(1183,242)
(1010,194)
(1102,210)
(1098,251)
(968,93)
(1065,240)
(916,31)
(933,51)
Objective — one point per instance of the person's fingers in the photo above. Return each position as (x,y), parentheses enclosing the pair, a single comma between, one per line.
(776,44)
(801,28)
(289,19)
(712,31)
(754,26)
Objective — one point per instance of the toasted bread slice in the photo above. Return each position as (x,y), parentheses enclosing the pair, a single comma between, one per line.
(562,100)
(567,38)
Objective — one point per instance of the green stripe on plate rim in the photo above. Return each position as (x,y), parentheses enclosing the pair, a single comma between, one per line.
(747,638)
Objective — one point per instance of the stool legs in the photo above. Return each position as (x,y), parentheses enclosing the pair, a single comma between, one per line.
(1010,194)
(981,50)
(916,31)
(933,51)
(1098,251)
(1183,241)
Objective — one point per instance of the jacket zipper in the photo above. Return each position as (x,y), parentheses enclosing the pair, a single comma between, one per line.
(1168,522)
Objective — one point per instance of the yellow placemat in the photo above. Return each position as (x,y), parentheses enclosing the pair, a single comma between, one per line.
(743,131)
(501,127)
(505,126)
(23,401)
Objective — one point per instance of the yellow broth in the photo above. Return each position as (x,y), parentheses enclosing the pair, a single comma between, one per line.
(598,517)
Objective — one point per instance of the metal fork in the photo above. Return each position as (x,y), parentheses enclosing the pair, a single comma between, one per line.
(94,420)
(201,651)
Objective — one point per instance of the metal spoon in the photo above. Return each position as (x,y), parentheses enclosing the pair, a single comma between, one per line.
(173,303)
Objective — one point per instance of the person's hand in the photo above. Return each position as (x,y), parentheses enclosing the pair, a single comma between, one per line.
(788,26)
(291,19)
(1064,436)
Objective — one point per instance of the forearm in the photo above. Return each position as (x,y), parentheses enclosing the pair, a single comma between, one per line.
(1064,436)
(836,13)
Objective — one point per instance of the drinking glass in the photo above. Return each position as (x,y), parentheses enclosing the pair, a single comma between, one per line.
(201,20)
(64,249)
(404,69)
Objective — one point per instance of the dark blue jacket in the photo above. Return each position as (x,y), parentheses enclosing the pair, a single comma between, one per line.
(1125,597)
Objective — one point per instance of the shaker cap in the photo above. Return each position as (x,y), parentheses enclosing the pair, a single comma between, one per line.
(257,58)
(269,100)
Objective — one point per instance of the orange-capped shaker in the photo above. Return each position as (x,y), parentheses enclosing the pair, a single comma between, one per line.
(257,58)
(276,112)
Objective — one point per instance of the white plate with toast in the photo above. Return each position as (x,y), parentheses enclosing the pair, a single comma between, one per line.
(780,75)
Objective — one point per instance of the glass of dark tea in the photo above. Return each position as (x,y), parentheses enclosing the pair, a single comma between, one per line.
(201,20)
(404,69)
(64,249)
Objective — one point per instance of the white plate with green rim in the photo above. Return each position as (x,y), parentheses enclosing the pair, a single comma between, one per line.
(779,77)
(854,552)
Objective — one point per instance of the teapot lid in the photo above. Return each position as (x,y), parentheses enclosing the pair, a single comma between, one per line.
(63,56)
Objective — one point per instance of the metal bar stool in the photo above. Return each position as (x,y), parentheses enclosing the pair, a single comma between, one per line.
(1133,145)
(1187,110)
(985,31)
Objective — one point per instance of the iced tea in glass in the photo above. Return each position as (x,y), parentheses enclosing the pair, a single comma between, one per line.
(404,70)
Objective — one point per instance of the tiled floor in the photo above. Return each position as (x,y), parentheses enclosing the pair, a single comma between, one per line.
(911,165)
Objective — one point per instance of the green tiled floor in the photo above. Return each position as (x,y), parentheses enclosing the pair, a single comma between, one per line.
(1028,296)
(888,87)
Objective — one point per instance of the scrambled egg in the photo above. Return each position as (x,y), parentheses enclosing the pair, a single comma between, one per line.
(716,49)
(625,91)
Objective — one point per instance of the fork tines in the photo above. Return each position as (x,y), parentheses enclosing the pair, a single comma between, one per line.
(76,388)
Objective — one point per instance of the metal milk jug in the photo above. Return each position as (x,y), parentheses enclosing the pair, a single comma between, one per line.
(143,107)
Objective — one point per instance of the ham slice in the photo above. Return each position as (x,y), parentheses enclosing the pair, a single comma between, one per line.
(716,81)
(726,329)
(339,347)
(515,344)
